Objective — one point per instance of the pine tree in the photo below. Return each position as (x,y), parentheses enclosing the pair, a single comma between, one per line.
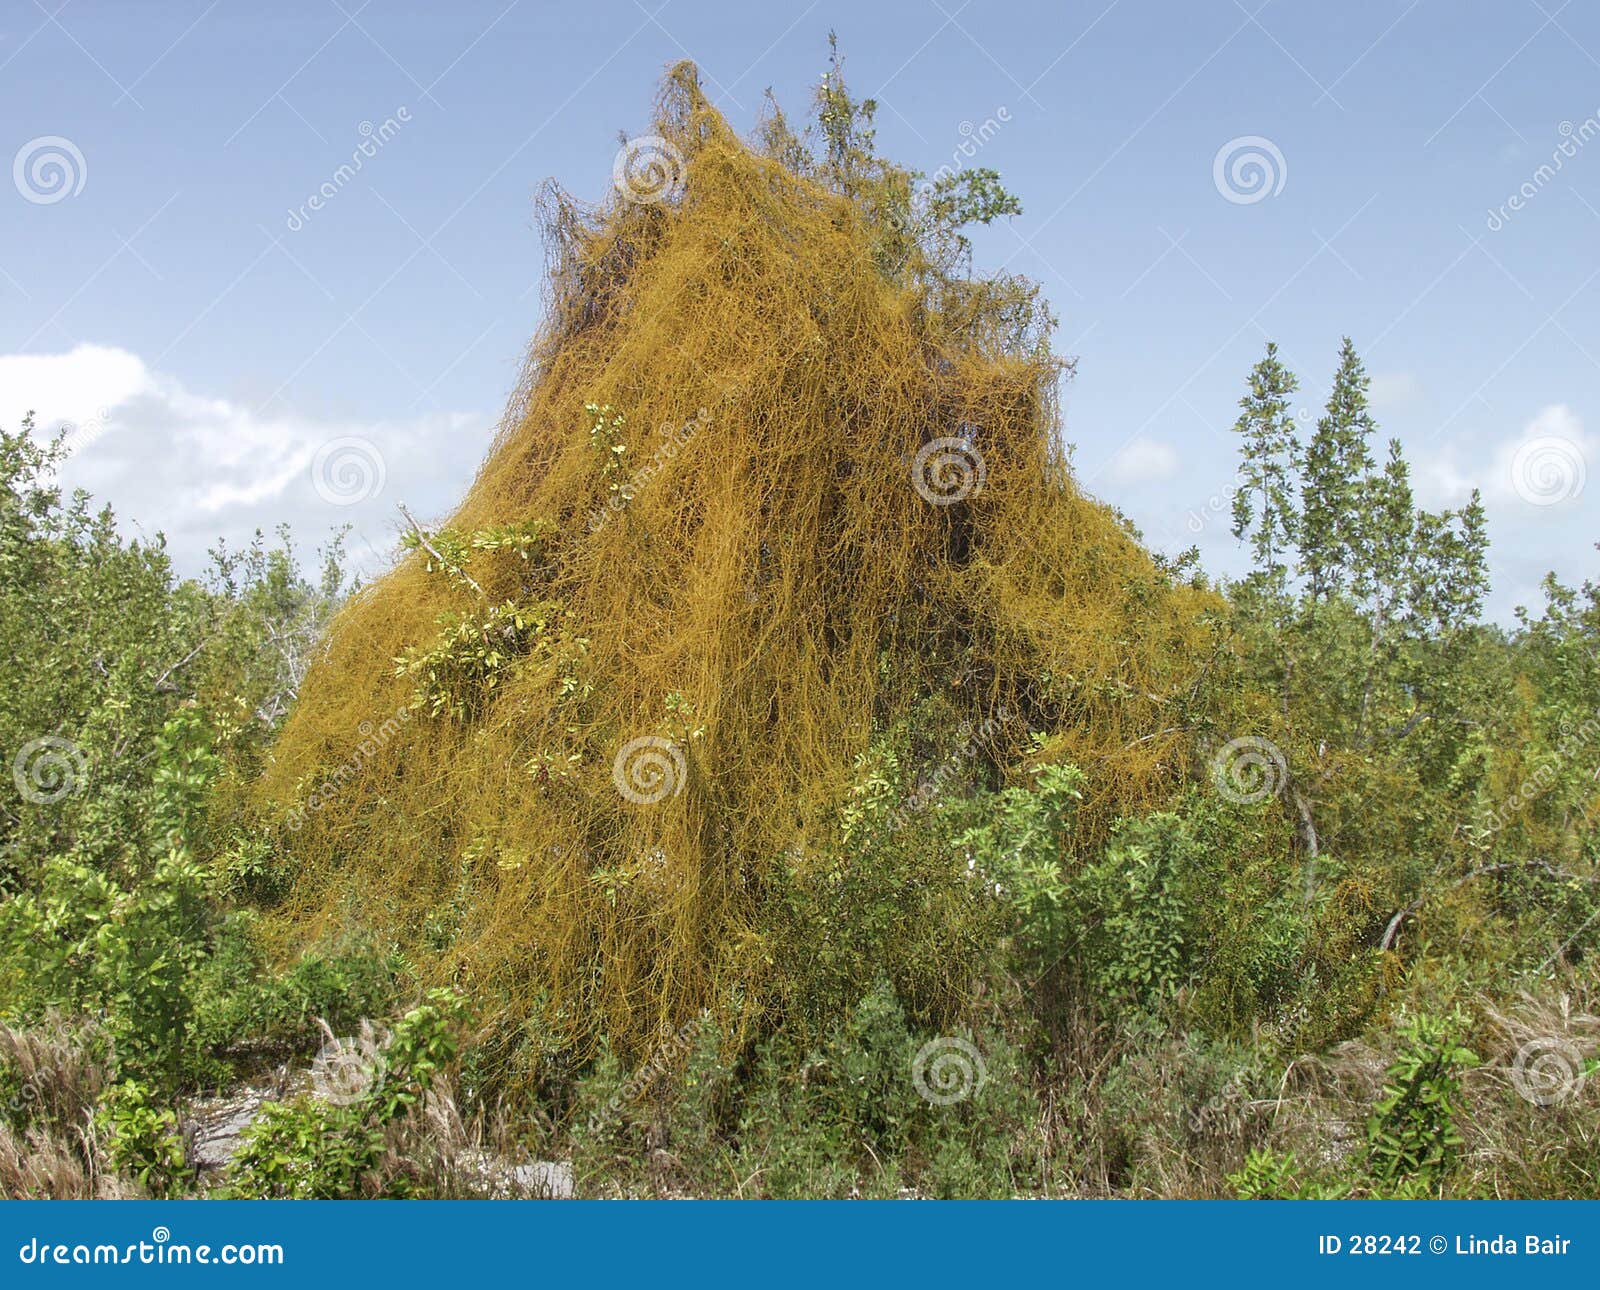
(1263,505)
(1338,467)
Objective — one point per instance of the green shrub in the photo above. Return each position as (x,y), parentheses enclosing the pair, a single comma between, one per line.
(663,1126)
(307,1149)
(85,944)
(1016,843)
(892,899)
(316,1149)
(244,1009)
(876,1107)
(1412,1135)
(1135,911)
(1267,1175)
(143,1139)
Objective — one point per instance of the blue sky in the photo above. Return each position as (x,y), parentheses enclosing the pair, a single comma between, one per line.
(165,288)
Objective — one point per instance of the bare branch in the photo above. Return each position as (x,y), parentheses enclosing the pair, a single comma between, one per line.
(422,537)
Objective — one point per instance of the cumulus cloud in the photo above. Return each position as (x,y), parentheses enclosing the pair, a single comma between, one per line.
(1544,467)
(69,390)
(1143,461)
(199,468)
(1538,495)
(1547,464)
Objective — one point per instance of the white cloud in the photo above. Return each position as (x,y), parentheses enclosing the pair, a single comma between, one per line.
(199,468)
(68,390)
(1143,461)
(1394,389)
(1544,467)
(1548,463)
(1439,481)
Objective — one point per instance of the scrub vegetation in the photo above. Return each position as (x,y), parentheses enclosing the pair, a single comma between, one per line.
(778,777)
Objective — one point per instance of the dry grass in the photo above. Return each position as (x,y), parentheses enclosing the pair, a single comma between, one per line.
(56,1072)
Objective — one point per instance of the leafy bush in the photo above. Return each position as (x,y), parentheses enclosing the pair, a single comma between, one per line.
(82,943)
(145,1143)
(245,1008)
(1018,847)
(1136,910)
(1265,1175)
(144,683)
(877,1106)
(1412,1135)
(316,1149)
(891,897)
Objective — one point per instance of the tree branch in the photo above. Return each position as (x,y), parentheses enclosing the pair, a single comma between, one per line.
(1540,866)
(422,537)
